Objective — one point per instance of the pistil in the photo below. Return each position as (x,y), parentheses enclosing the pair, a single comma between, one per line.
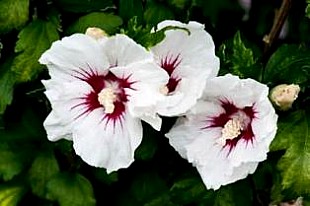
(106,98)
(231,130)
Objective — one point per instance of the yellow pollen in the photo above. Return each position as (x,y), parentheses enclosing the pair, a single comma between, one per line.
(231,130)
(164,90)
(106,98)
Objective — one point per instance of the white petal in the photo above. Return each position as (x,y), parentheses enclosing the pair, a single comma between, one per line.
(241,93)
(57,128)
(212,163)
(148,78)
(216,182)
(196,53)
(197,142)
(57,123)
(121,51)
(183,99)
(72,54)
(63,97)
(101,144)
(266,118)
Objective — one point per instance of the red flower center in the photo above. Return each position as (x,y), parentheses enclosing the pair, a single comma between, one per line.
(108,93)
(236,124)
(170,63)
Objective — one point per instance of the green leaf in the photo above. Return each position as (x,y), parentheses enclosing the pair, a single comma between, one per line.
(43,168)
(213,9)
(143,35)
(180,4)
(230,195)
(10,195)
(11,162)
(148,146)
(26,64)
(289,125)
(262,178)
(162,200)
(131,8)
(289,64)
(147,186)
(188,190)
(156,13)
(276,189)
(308,9)
(13,14)
(7,79)
(71,189)
(101,175)
(28,127)
(238,59)
(295,163)
(108,22)
(84,5)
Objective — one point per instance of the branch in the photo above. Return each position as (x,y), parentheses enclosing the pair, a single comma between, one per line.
(279,20)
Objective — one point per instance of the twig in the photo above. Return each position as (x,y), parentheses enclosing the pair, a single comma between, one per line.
(279,20)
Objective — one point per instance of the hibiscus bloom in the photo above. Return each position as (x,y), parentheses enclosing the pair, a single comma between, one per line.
(188,56)
(228,132)
(99,92)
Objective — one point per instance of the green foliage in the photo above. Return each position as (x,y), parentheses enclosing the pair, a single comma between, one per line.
(214,9)
(131,8)
(143,35)
(26,65)
(147,36)
(180,4)
(308,9)
(239,60)
(10,195)
(108,22)
(70,189)
(28,128)
(191,191)
(156,12)
(276,189)
(43,168)
(188,190)
(289,64)
(82,6)
(294,136)
(162,200)
(230,195)
(11,162)
(102,175)
(147,187)
(148,147)
(288,125)
(34,171)
(13,14)
(7,79)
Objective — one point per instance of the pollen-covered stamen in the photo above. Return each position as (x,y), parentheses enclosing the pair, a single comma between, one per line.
(164,90)
(106,98)
(232,129)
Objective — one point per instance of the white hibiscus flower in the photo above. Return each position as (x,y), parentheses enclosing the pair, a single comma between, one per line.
(95,90)
(189,58)
(228,132)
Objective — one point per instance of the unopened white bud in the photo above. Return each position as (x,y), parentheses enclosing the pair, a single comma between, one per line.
(95,32)
(284,95)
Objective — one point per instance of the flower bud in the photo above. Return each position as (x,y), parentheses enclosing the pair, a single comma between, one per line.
(95,32)
(284,95)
